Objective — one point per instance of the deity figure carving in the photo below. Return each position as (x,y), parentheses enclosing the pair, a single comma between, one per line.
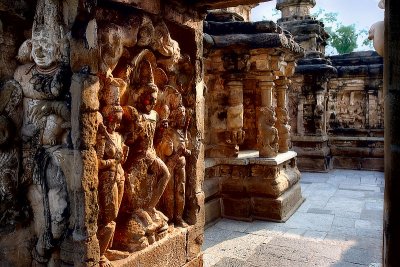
(267,138)
(146,175)
(173,150)
(283,128)
(45,132)
(111,154)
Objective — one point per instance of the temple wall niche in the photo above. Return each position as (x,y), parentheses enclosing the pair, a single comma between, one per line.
(107,106)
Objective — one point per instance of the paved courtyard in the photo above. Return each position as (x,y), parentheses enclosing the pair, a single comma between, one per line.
(339,224)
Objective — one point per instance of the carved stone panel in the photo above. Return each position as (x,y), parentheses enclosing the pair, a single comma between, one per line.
(100,136)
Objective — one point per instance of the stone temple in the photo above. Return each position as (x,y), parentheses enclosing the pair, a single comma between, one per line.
(127,126)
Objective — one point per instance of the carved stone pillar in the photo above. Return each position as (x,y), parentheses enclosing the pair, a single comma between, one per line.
(267,138)
(282,114)
(300,114)
(266,85)
(234,122)
(319,114)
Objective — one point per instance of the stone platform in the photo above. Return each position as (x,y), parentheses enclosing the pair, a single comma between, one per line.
(249,187)
(313,153)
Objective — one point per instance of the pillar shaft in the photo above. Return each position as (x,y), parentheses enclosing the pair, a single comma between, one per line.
(266,93)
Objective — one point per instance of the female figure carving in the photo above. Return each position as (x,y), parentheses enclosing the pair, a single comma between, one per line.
(173,149)
(111,154)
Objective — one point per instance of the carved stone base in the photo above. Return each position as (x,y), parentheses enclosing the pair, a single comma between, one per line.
(170,251)
(313,153)
(253,187)
(357,153)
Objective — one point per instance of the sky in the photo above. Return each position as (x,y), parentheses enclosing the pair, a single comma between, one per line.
(363,13)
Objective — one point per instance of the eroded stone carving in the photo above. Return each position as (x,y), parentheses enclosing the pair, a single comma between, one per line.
(111,154)
(11,205)
(267,138)
(173,149)
(45,132)
(146,174)
(283,128)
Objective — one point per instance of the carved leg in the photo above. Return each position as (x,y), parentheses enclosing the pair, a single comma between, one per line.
(162,175)
(168,199)
(180,180)
(105,236)
(35,197)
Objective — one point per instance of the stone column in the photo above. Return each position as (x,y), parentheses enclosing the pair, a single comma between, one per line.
(319,113)
(282,114)
(234,122)
(267,135)
(300,116)
(391,242)
(266,85)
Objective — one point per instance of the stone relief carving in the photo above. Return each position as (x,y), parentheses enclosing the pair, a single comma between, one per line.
(146,174)
(174,150)
(111,154)
(37,105)
(45,132)
(13,209)
(267,138)
(145,102)
(283,128)
(154,128)
(350,109)
(318,119)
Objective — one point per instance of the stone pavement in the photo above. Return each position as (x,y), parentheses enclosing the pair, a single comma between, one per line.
(339,224)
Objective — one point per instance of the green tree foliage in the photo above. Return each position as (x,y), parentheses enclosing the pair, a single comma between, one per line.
(343,38)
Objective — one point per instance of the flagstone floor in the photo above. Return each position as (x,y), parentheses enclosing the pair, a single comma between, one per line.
(339,225)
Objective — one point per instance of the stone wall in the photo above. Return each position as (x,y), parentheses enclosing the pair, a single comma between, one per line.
(335,103)
(347,131)
(355,111)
